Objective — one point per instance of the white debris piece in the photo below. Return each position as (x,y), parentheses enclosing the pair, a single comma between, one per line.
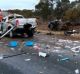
(57,48)
(67,47)
(27,59)
(12,49)
(47,46)
(76,49)
(77,71)
(61,40)
(1,42)
(72,34)
(42,54)
(36,47)
(76,41)
(40,72)
(1,57)
(64,41)
(60,55)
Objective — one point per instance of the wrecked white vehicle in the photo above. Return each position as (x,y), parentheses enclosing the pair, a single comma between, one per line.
(15,24)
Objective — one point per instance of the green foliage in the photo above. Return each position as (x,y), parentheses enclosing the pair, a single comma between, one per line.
(61,7)
(44,9)
(25,13)
(73,13)
(51,9)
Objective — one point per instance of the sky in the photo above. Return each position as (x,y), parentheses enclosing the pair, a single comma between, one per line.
(18,4)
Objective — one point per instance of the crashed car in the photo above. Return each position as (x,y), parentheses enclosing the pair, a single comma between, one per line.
(18,23)
(53,25)
(70,32)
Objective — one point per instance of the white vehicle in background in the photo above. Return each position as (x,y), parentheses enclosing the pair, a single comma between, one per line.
(18,22)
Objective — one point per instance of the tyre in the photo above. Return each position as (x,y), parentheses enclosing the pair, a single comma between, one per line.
(30,33)
(10,33)
(28,30)
(51,27)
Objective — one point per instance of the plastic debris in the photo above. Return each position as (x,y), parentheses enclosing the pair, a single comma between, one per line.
(40,72)
(33,53)
(45,67)
(1,57)
(29,43)
(27,53)
(36,47)
(76,49)
(57,51)
(1,42)
(60,55)
(27,59)
(13,43)
(12,49)
(42,54)
(57,48)
(47,46)
(77,71)
(67,47)
(63,59)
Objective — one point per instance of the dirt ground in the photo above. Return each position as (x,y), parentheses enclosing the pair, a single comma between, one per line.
(43,27)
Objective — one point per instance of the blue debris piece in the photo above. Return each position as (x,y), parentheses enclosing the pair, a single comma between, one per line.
(29,43)
(13,43)
(64,59)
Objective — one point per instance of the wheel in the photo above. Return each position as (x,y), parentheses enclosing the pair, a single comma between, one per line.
(28,30)
(30,33)
(10,33)
(51,26)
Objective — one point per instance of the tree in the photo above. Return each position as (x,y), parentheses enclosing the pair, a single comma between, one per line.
(73,14)
(24,12)
(44,9)
(61,7)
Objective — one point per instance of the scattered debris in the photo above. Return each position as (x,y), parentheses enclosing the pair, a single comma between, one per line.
(77,71)
(43,54)
(27,53)
(41,72)
(76,49)
(33,53)
(64,59)
(1,57)
(29,43)
(36,47)
(57,48)
(47,46)
(60,55)
(67,47)
(27,59)
(12,49)
(56,51)
(1,42)
(13,44)
(45,67)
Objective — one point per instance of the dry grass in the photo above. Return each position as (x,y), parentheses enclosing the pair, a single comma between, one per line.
(43,27)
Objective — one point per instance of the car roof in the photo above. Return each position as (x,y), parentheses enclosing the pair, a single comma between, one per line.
(12,15)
